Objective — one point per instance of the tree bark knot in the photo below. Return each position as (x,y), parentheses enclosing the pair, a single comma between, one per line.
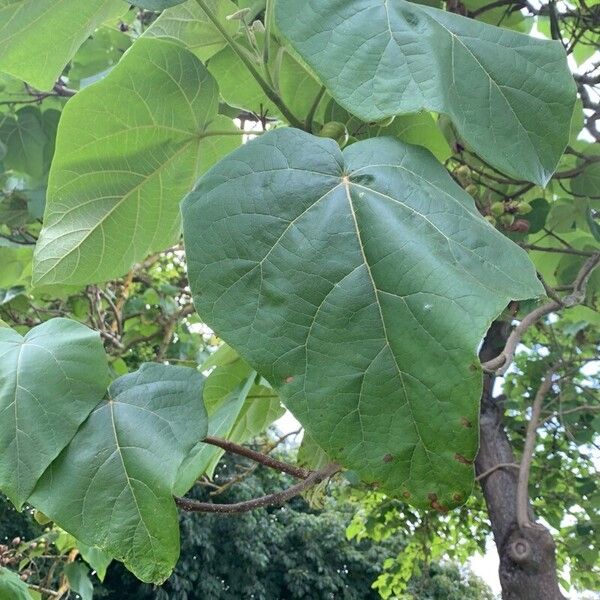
(528,565)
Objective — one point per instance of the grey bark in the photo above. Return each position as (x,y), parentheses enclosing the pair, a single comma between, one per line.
(527,556)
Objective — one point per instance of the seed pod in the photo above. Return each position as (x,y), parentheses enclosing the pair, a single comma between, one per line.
(463,172)
(336,131)
(524,208)
(472,190)
(497,209)
(506,219)
(520,225)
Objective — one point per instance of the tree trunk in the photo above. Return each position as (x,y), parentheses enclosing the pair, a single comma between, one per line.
(527,557)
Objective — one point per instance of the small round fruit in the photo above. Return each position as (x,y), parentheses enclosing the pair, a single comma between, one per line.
(524,208)
(497,208)
(463,171)
(506,219)
(336,131)
(472,190)
(491,220)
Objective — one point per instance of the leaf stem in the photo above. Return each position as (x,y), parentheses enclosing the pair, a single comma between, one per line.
(313,109)
(267,89)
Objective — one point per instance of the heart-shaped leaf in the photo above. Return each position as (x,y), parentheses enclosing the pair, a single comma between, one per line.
(359,284)
(509,95)
(125,157)
(50,381)
(112,486)
(39,37)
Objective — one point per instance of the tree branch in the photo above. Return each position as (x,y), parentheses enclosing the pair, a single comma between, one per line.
(275,499)
(528,450)
(495,468)
(259,457)
(500,364)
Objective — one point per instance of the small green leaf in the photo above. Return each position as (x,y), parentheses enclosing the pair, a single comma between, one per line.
(587,183)
(369,281)
(112,486)
(50,381)
(125,157)
(510,96)
(79,581)
(224,394)
(32,50)
(25,141)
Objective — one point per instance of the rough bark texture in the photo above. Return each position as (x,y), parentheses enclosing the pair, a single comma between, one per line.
(527,557)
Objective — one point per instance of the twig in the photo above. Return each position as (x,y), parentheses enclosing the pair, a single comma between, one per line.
(500,364)
(528,450)
(557,250)
(266,88)
(219,489)
(275,499)
(584,408)
(258,457)
(495,468)
(42,590)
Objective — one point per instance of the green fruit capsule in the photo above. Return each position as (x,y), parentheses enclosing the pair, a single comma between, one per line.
(336,131)
(472,190)
(524,208)
(463,172)
(490,219)
(497,208)
(506,219)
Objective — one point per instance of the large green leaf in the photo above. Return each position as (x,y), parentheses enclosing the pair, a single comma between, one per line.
(129,148)
(189,25)
(359,284)
(510,96)
(112,486)
(39,37)
(50,381)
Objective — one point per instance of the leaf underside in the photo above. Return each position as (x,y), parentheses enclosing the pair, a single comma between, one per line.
(359,284)
(39,37)
(125,157)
